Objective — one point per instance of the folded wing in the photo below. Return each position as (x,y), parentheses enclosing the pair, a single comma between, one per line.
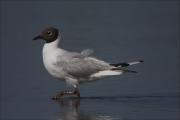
(78,66)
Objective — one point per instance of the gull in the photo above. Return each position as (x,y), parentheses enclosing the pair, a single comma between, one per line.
(75,68)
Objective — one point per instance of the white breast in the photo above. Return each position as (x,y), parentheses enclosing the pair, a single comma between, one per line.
(50,54)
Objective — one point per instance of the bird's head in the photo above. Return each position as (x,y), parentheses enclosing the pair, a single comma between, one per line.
(49,34)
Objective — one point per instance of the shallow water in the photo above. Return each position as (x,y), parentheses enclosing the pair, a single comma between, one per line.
(91,108)
(118,31)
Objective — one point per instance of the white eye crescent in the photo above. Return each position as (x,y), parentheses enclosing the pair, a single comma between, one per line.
(49,33)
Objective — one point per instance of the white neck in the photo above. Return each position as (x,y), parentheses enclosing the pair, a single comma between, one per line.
(49,48)
(53,44)
(52,48)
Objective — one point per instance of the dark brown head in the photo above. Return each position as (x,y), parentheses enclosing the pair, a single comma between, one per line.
(49,35)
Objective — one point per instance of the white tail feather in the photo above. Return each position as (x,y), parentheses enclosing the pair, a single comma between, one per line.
(135,62)
(106,73)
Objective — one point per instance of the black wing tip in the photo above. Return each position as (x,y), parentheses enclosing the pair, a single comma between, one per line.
(124,64)
(130,71)
(120,64)
(141,60)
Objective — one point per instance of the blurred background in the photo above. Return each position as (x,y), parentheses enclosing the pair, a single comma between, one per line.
(118,31)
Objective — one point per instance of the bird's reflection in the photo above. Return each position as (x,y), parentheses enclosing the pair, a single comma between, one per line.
(69,108)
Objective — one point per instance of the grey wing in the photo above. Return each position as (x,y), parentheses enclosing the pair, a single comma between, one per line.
(81,66)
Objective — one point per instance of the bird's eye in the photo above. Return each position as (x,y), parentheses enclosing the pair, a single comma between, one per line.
(49,33)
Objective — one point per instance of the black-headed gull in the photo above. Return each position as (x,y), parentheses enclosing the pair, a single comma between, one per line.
(73,67)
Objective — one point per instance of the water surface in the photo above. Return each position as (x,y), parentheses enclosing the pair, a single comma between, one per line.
(92,108)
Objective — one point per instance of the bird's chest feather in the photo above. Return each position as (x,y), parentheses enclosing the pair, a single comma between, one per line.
(50,63)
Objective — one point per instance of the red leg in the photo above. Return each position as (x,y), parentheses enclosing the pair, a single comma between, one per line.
(76,92)
(61,94)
